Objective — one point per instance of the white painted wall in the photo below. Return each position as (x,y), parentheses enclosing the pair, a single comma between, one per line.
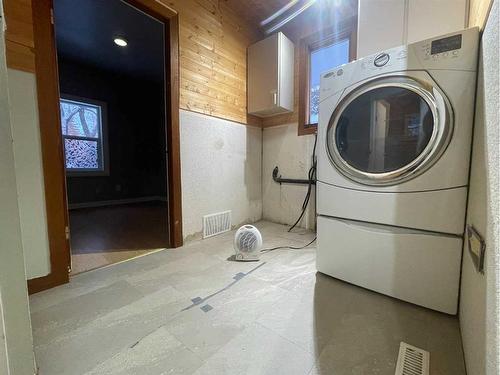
(221,170)
(375,31)
(29,174)
(293,155)
(479,302)
(16,342)
(384,24)
(431,18)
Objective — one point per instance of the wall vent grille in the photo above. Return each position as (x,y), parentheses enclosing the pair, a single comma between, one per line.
(217,223)
(412,360)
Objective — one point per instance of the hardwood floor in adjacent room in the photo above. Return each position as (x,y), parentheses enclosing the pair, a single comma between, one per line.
(105,235)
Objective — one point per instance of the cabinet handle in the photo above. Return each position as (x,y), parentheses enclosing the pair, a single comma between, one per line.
(275,98)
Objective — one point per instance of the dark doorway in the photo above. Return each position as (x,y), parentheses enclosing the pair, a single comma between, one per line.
(111,60)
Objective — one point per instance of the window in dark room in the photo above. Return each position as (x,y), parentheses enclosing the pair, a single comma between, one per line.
(83,127)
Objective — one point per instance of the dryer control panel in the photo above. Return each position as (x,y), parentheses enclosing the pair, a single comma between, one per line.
(443,45)
(444,48)
(454,51)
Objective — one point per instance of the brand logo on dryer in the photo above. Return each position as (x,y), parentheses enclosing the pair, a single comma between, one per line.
(381,59)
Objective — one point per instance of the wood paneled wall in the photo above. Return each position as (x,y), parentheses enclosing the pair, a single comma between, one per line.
(20,48)
(213,42)
(478,12)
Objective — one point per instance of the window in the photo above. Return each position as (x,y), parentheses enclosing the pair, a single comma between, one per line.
(321,60)
(83,132)
(318,53)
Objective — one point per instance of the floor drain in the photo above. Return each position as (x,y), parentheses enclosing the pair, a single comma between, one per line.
(412,360)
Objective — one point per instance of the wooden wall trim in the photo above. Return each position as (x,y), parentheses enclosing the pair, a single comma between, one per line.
(52,150)
(156,8)
(19,21)
(479,11)
(173,134)
(20,57)
(19,41)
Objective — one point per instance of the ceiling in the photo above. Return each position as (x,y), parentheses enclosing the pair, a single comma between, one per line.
(319,14)
(85,34)
(256,11)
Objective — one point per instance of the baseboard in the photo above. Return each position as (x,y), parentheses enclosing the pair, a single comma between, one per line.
(115,202)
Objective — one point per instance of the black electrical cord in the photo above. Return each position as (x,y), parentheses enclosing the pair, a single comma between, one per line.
(287,247)
(311,178)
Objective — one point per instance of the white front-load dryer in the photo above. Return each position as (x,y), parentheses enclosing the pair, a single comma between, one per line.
(394,141)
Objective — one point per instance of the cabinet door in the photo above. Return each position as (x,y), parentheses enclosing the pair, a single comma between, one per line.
(431,18)
(285,75)
(263,75)
(381,25)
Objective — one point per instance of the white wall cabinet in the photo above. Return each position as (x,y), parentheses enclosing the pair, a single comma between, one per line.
(385,24)
(270,76)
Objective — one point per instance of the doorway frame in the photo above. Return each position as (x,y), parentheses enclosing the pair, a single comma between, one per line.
(47,81)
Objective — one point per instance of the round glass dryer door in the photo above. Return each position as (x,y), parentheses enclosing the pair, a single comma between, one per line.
(389,130)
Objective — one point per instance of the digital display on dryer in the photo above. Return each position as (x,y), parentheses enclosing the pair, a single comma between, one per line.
(446,44)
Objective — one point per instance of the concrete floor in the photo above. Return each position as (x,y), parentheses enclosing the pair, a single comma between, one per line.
(138,317)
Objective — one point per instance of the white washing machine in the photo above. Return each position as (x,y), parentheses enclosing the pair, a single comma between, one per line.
(394,143)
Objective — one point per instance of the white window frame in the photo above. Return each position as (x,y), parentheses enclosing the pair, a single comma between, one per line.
(103,111)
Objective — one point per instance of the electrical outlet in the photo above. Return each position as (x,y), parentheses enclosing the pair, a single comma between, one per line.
(477,247)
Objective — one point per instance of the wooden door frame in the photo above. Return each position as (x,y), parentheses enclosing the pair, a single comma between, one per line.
(47,81)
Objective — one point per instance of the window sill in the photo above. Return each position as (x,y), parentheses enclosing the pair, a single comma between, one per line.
(308,129)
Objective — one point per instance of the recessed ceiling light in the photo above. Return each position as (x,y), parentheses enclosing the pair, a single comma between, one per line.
(120,42)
